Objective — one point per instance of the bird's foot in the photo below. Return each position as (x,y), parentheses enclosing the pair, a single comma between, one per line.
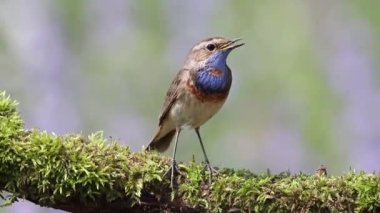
(173,171)
(211,171)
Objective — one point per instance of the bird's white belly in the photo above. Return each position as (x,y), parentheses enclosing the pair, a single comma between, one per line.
(191,112)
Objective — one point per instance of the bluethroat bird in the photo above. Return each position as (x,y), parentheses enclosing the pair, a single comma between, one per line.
(197,92)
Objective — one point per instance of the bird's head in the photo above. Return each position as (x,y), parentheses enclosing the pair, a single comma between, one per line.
(211,52)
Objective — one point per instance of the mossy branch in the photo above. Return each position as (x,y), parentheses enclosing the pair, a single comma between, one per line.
(91,174)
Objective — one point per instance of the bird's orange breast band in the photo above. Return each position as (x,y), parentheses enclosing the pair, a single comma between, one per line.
(216,72)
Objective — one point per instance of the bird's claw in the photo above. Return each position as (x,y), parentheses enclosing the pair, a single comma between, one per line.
(211,171)
(173,171)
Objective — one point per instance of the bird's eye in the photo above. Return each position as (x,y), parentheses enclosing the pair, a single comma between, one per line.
(210,47)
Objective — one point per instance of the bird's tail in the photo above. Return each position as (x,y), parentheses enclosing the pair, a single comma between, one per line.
(161,142)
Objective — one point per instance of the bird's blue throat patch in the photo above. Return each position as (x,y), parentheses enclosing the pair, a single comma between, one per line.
(215,77)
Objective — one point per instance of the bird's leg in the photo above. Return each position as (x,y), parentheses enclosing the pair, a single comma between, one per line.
(208,165)
(173,168)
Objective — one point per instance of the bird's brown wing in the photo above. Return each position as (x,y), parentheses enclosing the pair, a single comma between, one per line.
(171,96)
(166,132)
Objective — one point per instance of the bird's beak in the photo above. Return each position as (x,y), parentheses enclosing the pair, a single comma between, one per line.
(232,44)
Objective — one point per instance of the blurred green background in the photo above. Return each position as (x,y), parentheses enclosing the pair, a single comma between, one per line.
(305,89)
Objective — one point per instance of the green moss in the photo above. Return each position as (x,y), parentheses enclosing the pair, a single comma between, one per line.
(74,172)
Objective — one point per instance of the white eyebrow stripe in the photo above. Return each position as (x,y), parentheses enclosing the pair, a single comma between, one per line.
(200,45)
(204,43)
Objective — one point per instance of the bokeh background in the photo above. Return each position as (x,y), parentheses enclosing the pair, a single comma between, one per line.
(306,87)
